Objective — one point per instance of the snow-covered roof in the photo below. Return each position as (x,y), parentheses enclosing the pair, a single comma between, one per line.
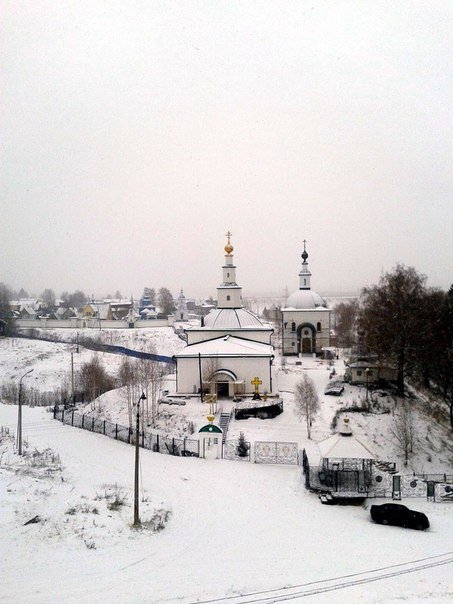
(227,346)
(341,446)
(304,299)
(231,318)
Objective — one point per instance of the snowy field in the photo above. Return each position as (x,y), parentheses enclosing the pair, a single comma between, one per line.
(215,530)
(233,528)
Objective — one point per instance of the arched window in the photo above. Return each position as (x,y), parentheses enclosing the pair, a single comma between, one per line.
(318,326)
(228,274)
(228,298)
(293,326)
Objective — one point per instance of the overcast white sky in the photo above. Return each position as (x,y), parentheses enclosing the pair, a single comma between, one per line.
(134,134)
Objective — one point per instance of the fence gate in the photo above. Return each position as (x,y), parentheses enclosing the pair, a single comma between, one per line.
(276,452)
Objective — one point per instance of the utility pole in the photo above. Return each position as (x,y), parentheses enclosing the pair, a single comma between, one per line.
(137,522)
(201,378)
(19,414)
(72,378)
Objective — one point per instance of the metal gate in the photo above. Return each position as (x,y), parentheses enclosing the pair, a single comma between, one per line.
(276,452)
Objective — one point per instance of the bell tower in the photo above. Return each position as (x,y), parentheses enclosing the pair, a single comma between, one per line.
(229,294)
(304,275)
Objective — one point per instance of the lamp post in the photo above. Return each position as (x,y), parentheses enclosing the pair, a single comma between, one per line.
(19,413)
(137,448)
(367,371)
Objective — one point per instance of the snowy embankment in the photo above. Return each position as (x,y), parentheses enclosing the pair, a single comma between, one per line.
(51,361)
(233,528)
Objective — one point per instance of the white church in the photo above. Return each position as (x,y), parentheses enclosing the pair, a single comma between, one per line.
(306,319)
(231,349)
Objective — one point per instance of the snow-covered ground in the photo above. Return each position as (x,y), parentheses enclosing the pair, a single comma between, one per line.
(52,361)
(228,528)
(232,528)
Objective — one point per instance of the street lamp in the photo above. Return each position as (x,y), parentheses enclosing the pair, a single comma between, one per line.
(367,371)
(19,413)
(137,435)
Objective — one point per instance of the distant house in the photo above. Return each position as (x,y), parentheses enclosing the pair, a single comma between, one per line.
(35,304)
(97,310)
(364,367)
(64,313)
(148,313)
(27,312)
(367,371)
(121,308)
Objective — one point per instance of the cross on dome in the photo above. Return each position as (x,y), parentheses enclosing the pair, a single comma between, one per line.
(304,253)
(228,248)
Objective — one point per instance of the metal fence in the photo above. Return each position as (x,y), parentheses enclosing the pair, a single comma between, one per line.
(230,451)
(276,452)
(339,481)
(184,447)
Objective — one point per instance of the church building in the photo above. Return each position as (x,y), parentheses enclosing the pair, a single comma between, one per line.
(230,348)
(305,318)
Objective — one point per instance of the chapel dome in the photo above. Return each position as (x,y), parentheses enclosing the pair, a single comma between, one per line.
(231,318)
(304,299)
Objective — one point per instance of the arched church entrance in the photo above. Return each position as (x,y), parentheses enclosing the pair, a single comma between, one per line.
(224,382)
(306,338)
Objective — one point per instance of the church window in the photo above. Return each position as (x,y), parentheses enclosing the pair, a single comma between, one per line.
(359,373)
(305,282)
(228,274)
(293,326)
(318,326)
(228,298)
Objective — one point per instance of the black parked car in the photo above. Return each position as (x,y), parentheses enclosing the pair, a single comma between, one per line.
(399,515)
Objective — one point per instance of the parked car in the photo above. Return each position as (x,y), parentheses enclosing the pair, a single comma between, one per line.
(335,388)
(399,515)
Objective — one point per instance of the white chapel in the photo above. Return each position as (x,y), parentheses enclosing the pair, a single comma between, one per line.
(305,318)
(231,347)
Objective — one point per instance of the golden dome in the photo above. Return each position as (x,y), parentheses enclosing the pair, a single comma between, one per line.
(228,248)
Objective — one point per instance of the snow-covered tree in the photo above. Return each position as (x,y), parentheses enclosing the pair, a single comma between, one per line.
(306,402)
(243,446)
(403,430)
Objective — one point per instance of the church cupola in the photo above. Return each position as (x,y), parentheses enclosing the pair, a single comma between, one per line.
(229,294)
(304,274)
(181,308)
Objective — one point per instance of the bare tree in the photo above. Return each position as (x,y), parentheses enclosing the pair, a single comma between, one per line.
(48,298)
(403,431)
(345,317)
(151,377)
(94,379)
(165,301)
(306,401)
(392,319)
(126,378)
(208,371)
